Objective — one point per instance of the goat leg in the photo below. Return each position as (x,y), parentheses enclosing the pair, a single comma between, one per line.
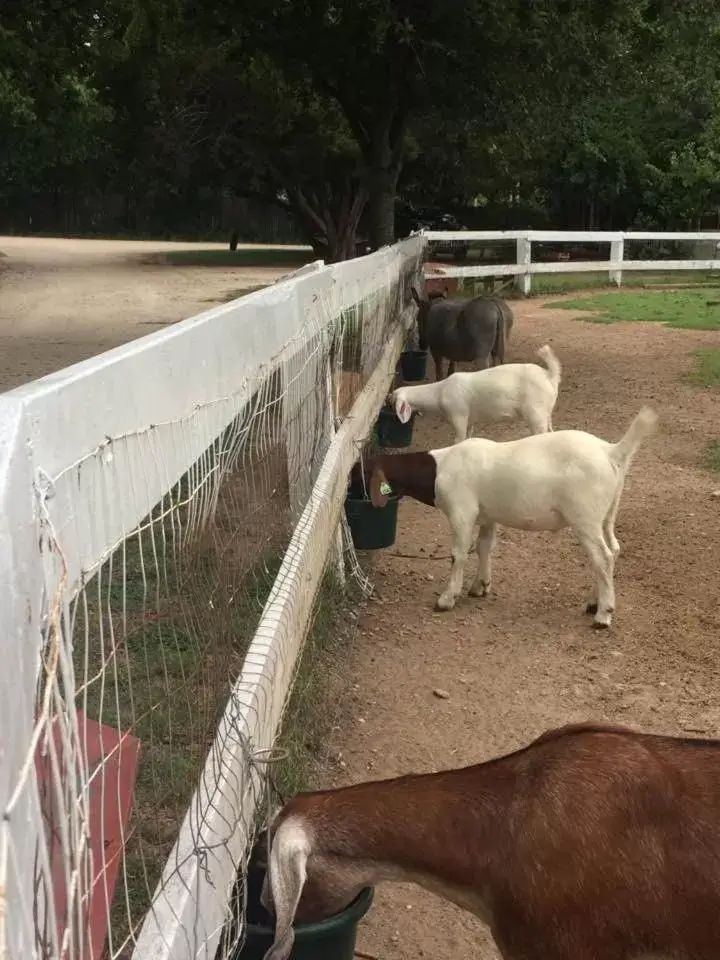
(484,546)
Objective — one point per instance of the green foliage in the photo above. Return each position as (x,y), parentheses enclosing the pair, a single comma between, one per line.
(52,118)
(683,309)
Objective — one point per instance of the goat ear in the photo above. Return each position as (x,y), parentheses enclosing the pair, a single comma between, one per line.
(415,295)
(377,497)
(403,410)
(288,873)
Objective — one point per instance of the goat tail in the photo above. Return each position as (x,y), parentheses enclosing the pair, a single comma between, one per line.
(552,364)
(498,350)
(642,427)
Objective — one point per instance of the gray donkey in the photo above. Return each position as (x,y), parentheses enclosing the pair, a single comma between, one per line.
(465,330)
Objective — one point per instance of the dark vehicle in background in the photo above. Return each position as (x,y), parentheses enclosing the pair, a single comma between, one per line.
(409,218)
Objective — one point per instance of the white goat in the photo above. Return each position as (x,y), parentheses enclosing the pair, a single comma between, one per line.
(544,482)
(523,390)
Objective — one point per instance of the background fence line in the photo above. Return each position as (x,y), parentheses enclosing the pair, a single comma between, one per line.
(524,267)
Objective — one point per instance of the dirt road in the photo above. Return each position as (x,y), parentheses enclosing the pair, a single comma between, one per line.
(62,301)
(526,658)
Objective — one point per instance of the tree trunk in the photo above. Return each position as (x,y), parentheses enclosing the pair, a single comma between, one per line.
(383,191)
(330,220)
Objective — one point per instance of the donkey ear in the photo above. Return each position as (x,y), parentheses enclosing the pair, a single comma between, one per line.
(403,410)
(377,479)
(415,295)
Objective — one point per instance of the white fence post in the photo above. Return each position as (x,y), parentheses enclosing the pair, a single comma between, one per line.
(617,254)
(523,280)
(337,549)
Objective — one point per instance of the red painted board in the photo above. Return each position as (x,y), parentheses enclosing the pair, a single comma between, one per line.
(112,763)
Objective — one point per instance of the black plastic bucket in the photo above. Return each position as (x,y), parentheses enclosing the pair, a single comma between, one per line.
(371,527)
(413,364)
(393,432)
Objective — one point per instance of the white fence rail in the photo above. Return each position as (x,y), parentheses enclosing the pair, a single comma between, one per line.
(86,456)
(524,267)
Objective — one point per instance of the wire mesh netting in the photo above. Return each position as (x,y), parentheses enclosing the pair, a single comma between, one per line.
(146,695)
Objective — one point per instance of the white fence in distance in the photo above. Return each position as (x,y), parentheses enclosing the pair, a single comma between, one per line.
(85,453)
(524,267)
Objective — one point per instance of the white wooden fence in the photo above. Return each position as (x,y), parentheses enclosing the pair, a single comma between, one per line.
(524,267)
(84,455)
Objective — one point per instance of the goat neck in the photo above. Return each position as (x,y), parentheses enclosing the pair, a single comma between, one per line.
(409,475)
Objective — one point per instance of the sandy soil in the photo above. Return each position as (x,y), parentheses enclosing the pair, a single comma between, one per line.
(526,658)
(62,301)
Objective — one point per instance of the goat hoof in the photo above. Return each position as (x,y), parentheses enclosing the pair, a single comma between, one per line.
(445,603)
(479,591)
(601,625)
(591,608)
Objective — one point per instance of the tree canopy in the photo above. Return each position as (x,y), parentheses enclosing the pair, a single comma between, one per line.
(579,113)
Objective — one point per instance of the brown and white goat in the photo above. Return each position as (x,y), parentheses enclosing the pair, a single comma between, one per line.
(591,843)
(568,478)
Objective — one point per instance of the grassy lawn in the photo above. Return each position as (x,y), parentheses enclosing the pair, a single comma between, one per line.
(549,283)
(684,309)
(290,257)
(707,368)
(711,456)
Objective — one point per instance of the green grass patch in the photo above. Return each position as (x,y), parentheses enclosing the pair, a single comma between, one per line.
(711,456)
(707,368)
(549,283)
(290,257)
(683,309)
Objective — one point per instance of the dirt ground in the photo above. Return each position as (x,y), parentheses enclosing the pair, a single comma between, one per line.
(62,301)
(526,658)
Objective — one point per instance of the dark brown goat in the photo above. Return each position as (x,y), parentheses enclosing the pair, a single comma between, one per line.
(591,843)
(409,475)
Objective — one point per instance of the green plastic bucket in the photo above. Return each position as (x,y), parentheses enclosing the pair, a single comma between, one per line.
(330,939)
